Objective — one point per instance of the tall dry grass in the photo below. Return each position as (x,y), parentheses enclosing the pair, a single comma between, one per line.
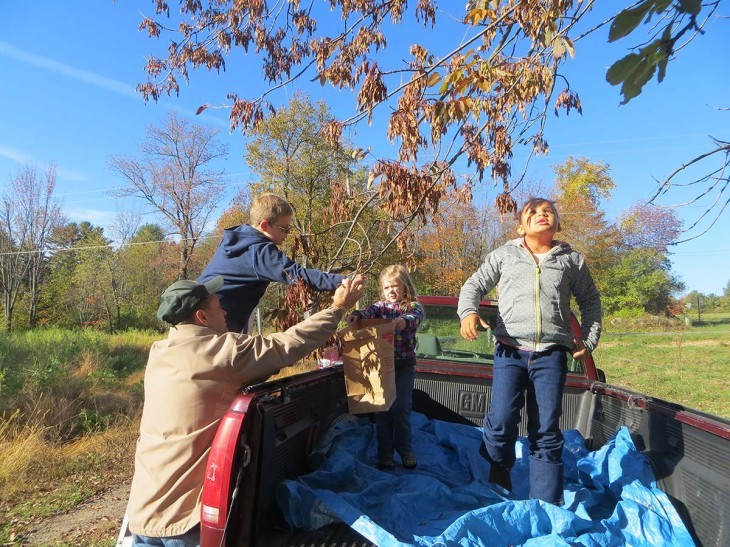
(69,414)
(35,456)
(21,444)
(43,475)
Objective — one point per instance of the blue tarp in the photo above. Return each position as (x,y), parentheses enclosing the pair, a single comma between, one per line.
(611,497)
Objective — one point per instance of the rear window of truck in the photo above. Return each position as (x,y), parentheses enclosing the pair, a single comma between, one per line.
(439,338)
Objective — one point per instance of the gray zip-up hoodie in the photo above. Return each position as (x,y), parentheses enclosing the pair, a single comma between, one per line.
(534,299)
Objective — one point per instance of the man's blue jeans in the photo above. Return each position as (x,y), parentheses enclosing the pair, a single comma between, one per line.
(394,425)
(534,380)
(191,538)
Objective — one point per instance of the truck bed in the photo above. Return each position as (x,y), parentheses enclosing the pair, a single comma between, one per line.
(688,450)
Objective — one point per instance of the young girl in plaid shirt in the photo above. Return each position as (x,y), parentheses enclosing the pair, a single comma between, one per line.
(399,302)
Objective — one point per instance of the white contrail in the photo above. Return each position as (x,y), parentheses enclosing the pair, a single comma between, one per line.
(102,82)
(24,158)
(15,155)
(91,78)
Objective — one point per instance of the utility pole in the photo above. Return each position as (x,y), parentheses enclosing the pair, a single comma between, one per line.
(699,312)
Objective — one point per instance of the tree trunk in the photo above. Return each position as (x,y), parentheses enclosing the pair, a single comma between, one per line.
(184,259)
(33,301)
(8,313)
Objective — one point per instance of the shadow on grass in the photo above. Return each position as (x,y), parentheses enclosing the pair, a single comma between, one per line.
(712,322)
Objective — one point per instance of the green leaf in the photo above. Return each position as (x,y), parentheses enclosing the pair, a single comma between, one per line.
(621,69)
(549,34)
(662,64)
(692,7)
(634,71)
(661,5)
(444,86)
(664,51)
(627,20)
(632,88)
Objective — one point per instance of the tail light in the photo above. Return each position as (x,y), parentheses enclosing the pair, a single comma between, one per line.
(217,484)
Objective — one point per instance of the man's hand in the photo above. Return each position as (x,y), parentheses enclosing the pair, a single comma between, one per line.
(347,294)
(469,326)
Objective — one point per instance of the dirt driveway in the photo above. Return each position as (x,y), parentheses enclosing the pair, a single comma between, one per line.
(96,522)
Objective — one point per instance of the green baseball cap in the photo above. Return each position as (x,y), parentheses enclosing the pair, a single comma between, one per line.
(182,297)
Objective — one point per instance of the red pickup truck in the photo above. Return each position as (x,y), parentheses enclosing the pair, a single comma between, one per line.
(271,429)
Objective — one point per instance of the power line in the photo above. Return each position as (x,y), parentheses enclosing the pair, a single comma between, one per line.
(126,187)
(111,245)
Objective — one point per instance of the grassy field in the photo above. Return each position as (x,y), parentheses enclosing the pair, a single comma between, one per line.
(70,403)
(69,413)
(689,367)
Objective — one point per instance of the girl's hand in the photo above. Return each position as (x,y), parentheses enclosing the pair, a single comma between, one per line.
(580,351)
(469,326)
(400,323)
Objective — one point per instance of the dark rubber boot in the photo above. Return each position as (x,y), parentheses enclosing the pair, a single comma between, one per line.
(500,475)
(497,474)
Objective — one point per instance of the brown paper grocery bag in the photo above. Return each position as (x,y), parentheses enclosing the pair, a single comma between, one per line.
(367,360)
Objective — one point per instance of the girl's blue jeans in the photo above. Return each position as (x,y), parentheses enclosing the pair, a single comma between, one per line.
(394,425)
(534,380)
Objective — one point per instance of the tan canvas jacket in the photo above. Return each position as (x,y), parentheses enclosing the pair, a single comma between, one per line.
(191,378)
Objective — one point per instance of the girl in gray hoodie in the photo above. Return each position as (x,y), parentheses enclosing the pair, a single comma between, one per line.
(536,277)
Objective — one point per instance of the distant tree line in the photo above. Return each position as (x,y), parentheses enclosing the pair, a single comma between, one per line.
(71,274)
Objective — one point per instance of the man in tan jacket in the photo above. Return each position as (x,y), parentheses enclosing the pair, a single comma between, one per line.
(191,378)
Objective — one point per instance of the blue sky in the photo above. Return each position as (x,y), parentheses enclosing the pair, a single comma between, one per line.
(69,72)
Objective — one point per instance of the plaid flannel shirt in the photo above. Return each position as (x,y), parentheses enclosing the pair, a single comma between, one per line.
(404,343)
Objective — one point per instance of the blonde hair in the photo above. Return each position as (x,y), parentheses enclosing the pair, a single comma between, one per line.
(268,207)
(399,273)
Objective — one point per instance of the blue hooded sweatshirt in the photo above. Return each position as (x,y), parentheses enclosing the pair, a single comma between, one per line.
(248,262)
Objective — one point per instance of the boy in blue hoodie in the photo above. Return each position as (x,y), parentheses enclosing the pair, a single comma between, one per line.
(248,258)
